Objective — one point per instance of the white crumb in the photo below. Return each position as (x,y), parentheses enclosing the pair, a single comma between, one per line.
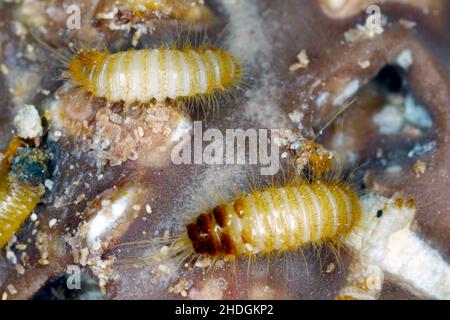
(28,122)
(405,59)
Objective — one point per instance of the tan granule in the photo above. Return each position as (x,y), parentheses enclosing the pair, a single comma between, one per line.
(4,68)
(84,254)
(303,61)
(330,268)
(102,269)
(181,288)
(80,198)
(11,256)
(42,243)
(76,255)
(20,269)
(419,168)
(21,246)
(12,290)
(364,64)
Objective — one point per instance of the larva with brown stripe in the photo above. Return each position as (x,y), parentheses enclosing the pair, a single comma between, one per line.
(273,220)
(155,74)
(22,175)
(276,219)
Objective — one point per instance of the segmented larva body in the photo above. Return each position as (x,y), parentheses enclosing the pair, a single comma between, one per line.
(22,175)
(276,219)
(17,200)
(144,75)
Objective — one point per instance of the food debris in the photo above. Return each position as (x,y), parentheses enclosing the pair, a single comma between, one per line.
(42,243)
(419,168)
(181,288)
(12,290)
(362,32)
(364,64)
(28,122)
(4,69)
(405,59)
(303,61)
(52,222)
(211,289)
(330,268)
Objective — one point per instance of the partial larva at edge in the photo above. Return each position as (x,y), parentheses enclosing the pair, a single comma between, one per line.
(21,187)
(143,75)
(17,201)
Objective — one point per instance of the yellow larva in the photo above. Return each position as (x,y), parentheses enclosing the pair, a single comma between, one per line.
(160,74)
(273,220)
(17,201)
(21,187)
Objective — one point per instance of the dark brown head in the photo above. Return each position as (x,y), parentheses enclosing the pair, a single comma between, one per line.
(209,234)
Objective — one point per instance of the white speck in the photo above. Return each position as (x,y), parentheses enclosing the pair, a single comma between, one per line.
(181,130)
(417,114)
(350,90)
(148,209)
(52,222)
(33,217)
(421,149)
(394,169)
(364,64)
(405,59)
(296,116)
(48,184)
(389,120)
(322,99)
